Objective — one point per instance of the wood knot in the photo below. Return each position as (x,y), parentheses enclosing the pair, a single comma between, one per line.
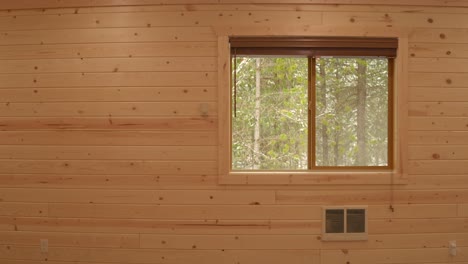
(442,35)
(435,156)
(430,20)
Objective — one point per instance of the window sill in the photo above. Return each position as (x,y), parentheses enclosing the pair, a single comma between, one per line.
(314,178)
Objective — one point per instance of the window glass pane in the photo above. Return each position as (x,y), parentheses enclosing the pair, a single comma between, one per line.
(351,112)
(334,222)
(356,220)
(269,124)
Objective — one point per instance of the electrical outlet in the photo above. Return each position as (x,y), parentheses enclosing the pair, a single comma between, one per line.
(44,245)
(453,248)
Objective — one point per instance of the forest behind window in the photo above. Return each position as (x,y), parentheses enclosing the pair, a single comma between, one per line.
(280,121)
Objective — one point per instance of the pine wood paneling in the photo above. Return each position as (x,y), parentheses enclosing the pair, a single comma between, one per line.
(87,109)
(449,152)
(438,137)
(139,197)
(439,50)
(133,181)
(24,209)
(438,109)
(126,167)
(24,4)
(108,50)
(131,123)
(84,240)
(150,255)
(108,138)
(159,19)
(373,196)
(109,144)
(153,226)
(441,80)
(109,94)
(95,65)
(109,152)
(387,256)
(108,79)
(395,19)
(104,35)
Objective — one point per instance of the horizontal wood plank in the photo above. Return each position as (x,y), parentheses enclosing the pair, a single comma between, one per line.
(141,256)
(108,50)
(390,19)
(158,19)
(30,4)
(105,109)
(418,226)
(446,152)
(24,209)
(438,65)
(239,212)
(108,79)
(247,197)
(108,94)
(438,167)
(457,109)
(279,242)
(437,137)
(96,65)
(84,240)
(130,123)
(438,123)
(202,182)
(106,35)
(108,138)
(445,35)
(109,152)
(455,80)
(122,167)
(390,256)
(371,197)
(438,50)
(220,212)
(133,182)
(151,226)
(452,96)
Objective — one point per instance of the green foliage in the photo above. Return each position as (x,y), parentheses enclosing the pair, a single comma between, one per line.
(281,139)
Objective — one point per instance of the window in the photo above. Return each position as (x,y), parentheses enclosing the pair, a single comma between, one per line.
(345,223)
(312,104)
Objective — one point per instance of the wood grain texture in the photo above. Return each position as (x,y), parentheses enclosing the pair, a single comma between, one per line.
(110,113)
(30,4)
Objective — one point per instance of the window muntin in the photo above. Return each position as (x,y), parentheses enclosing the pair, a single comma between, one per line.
(280,70)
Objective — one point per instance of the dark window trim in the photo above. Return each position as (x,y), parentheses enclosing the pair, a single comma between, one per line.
(316,46)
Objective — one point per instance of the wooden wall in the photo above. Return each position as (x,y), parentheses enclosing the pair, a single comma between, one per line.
(106,150)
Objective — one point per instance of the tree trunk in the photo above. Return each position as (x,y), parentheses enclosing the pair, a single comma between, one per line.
(256,147)
(324,127)
(361,114)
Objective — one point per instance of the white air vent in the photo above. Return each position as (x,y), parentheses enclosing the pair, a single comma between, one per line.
(345,223)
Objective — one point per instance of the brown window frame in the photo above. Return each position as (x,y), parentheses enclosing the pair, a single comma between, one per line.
(312,48)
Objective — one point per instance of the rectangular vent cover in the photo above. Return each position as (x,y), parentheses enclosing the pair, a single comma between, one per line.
(345,223)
